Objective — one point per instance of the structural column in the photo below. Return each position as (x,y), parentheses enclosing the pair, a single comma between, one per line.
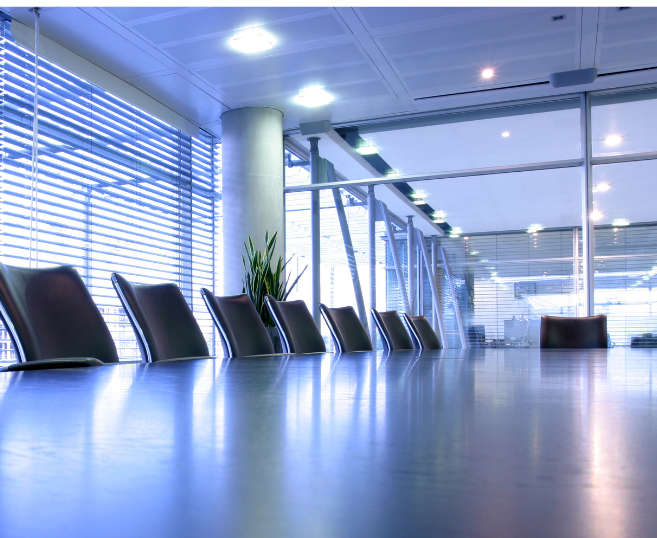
(252,147)
(315,224)
(588,238)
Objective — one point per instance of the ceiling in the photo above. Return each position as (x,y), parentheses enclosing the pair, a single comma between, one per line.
(385,62)
(375,61)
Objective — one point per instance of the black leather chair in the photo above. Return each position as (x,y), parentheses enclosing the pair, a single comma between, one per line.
(163,322)
(557,332)
(298,330)
(242,331)
(347,331)
(422,334)
(394,335)
(52,320)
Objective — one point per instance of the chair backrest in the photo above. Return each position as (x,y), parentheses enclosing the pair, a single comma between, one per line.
(50,314)
(346,329)
(557,332)
(242,331)
(391,328)
(423,335)
(163,322)
(298,330)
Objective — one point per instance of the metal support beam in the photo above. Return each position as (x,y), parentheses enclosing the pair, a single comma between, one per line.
(455,301)
(588,240)
(348,245)
(419,279)
(395,257)
(410,259)
(435,297)
(371,236)
(433,274)
(315,229)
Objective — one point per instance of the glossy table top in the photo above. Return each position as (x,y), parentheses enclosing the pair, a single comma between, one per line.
(481,443)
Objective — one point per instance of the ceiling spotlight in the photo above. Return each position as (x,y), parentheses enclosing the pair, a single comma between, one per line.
(369,149)
(252,40)
(613,140)
(487,73)
(533,228)
(602,187)
(506,134)
(313,96)
(596,214)
(620,222)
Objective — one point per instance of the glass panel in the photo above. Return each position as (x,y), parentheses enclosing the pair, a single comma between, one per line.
(626,251)
(623,123)
(506,136)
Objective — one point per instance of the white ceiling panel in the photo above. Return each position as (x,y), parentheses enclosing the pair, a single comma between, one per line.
(293,83)
(287,34)
(481,31)
(383,17)
(507,72)
(128,14)
(273,66)
(476,58)
(214,20)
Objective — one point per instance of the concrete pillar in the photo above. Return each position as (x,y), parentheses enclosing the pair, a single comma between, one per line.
(252,147)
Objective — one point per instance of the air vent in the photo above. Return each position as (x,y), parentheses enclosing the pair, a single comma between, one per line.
(558,18)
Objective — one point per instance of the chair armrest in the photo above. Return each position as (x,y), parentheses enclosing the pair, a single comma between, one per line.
(48,364)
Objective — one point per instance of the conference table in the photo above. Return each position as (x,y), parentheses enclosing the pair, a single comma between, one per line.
(466,443)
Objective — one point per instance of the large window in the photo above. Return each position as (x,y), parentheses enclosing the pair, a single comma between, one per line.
(118,191)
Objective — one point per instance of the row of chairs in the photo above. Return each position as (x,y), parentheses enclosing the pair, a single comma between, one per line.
(54,323)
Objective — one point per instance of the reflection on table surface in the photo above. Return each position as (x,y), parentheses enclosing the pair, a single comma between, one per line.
(490,442)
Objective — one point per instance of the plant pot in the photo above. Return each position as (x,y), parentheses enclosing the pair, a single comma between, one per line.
(275,339)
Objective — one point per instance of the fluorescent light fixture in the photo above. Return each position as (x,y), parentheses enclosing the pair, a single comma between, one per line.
(393,173)
(418,194)
(613,140)
(620,222)
(419,201)
(313,96)
(533,228)
(252,40)
(455,232)
(439,217)
(506,134)
(602,187)
(370,149)
(487,73)
(596,214)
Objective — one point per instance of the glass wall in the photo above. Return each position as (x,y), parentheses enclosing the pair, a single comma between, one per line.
(118,191)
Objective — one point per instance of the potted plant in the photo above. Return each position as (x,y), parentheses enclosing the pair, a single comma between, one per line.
(261,278)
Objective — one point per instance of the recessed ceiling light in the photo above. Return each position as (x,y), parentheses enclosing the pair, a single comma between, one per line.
(455,232)
(613,140)
(487,73)
(252,40)
(620,222)
(313,96)
(418,194)
(596,214)
(419,201)
(506,134)
(369,149)
(602,187)
(533,228)
(392,173)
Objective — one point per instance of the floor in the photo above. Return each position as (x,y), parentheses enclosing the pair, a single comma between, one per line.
(481,443)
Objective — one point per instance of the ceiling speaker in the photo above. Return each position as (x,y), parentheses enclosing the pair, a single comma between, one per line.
(573,78)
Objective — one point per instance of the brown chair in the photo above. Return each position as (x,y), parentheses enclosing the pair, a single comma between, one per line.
(298,330)
(347,331)
(162,320)
(557,332)
(52,320)
(392,331)
(242,331)
(423,335)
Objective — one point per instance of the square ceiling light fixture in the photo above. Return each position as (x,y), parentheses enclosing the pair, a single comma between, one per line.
(313,96)
(252,40)
(369,149)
